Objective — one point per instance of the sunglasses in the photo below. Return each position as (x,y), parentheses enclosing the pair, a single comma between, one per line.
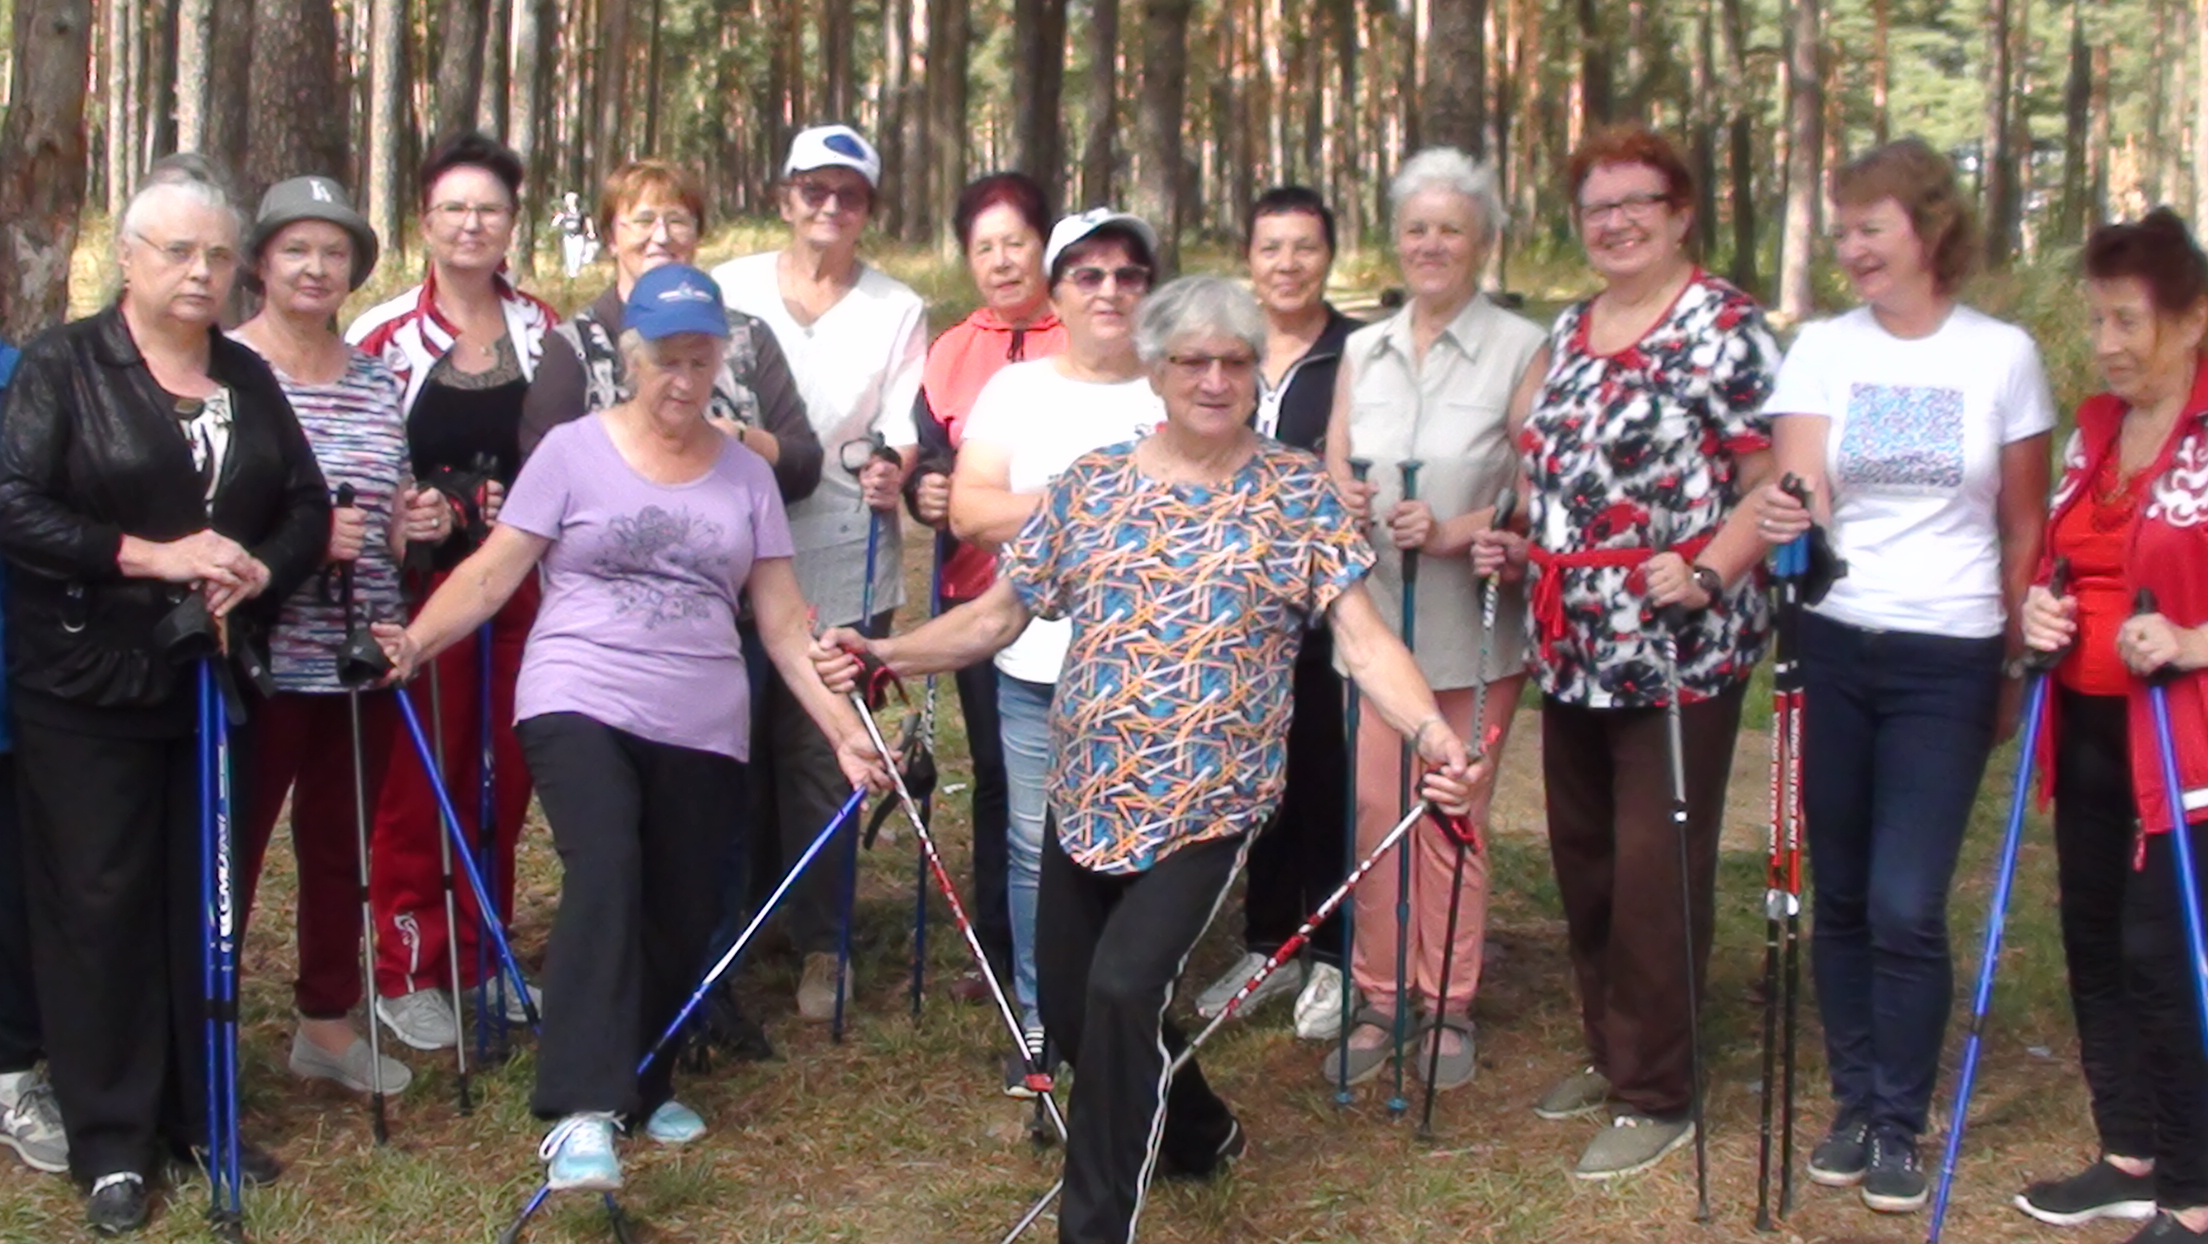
(818,194)
(1131,279)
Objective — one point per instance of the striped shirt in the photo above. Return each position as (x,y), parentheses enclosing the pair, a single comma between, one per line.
(359,438)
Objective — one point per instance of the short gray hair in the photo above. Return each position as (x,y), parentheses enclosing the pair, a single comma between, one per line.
(1446,168)
(186,173)
(1197,304)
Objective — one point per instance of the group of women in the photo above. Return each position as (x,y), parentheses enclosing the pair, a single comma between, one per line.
(1190,524)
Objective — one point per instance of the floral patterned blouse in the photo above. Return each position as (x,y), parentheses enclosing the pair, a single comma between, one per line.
(1639,450)
(1189,603)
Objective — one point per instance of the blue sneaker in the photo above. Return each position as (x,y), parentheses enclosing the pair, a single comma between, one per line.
(579,1154)
(674,1124)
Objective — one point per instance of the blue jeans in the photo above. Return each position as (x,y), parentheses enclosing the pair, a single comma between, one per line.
(1023,711)
(1897,727)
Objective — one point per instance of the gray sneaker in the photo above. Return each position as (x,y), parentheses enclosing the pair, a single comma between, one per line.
(1583,1092)
(1214,998)
(816,990)
(1632,1142)
(354,1069)
(423,1019)
(513,1011)
(32,1127)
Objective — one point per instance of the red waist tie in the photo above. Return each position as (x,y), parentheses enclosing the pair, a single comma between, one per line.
(1548,590)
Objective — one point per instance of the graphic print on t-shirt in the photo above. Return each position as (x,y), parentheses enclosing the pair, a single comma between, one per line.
(645,550)
(1903,438)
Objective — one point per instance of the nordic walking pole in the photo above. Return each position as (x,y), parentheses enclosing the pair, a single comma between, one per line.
(1490,600)
(490,987)
(354,670)
(1359,468)
(927,745)
(2181,845)
(1458,831)
(2038,666)
(875,447)
(713,976)
(1782,887)
(1398,1105)
(225,1208)
(467,861)
(1669,622)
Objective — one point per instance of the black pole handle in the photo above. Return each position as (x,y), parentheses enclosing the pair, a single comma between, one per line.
(2058,583)
(2142,605)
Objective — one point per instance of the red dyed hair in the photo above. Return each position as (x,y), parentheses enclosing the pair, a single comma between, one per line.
(1632,144)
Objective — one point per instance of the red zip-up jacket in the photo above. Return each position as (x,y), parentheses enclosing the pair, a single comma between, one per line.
(2165,550)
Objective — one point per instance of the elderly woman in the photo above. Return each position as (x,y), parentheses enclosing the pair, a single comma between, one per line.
(648,525)
(307,252)
(1031,422)
(464,344)
(1189,564)
(2131,476)
(1298,858)
(1439,382)
(1645,435)
(654,211)
(146,457)
(855,338)
(1000,222)
(1920,426)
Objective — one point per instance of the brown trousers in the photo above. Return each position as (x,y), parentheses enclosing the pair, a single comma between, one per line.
(1608,775)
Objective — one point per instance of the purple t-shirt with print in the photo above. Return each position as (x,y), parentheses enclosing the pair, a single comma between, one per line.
(638,625)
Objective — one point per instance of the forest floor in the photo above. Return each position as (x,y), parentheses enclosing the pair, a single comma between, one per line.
(899,1135)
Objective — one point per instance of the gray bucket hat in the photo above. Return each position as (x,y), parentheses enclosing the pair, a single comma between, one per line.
(312,198)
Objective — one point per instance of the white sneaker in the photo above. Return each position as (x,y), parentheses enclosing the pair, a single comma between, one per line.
(31,1125)
(1214,999)
(423,1019)
(354,1069)
(1319,1006)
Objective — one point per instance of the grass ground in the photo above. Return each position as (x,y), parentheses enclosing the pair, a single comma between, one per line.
(899,1134)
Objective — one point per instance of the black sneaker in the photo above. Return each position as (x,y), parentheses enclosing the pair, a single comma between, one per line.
(2098,1191)
(257,1167)
(1893,1183)
(2166,1229)
(1230,1151)
(1839,1159)
(117,1204)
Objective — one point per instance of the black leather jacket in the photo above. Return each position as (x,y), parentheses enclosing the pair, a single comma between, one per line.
(90,450)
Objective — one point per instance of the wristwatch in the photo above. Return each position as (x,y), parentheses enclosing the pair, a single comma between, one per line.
(1711,582)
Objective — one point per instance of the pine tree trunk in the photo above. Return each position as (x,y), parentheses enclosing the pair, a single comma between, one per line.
(195,34)
(457,38)
(1703,110)
(2158,107)
(296,122)
(491,97)
(2100,136)
(1741,152)
(121,30)
(1038,85)
(1995,164)
(652,80)
(835,62)
(1098,158)
(528,39)
(2076,101)
(157,92)
(1882,70)
(1456,76)
(890,138)
(613,85)
(230,67)
(386,90)
(1594,64)
(949,36)
(1159,124)
(1805,150)
(1346,160)
(42,162)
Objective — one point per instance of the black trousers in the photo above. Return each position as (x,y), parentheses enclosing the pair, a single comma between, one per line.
(112,853)
(2123,938)
(1108,949)
(632,820)
(1297,859)
(21,1042)
(992,911)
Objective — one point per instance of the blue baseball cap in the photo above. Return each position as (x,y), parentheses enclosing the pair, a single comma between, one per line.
(675,298)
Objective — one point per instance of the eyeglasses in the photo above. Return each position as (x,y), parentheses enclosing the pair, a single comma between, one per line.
(181,254)
(817,194)
(458,214)
(678,224)
(1131,279)
(1198,366)
(1631,206)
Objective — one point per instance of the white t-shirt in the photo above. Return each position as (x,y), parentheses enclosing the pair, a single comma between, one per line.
(858,369)
(1045,421)
(1914,456)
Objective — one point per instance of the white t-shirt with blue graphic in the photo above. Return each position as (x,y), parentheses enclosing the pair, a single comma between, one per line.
(1914,459)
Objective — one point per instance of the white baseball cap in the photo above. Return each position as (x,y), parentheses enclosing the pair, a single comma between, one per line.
(834,146)
(1074,228)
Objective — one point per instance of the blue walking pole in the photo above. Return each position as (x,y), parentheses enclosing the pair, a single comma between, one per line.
(226,1207)
(2038,667)
(2188,882)
(1352,716)
(713,976)
(474,875)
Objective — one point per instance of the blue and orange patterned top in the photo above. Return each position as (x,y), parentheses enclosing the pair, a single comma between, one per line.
(1188,605)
